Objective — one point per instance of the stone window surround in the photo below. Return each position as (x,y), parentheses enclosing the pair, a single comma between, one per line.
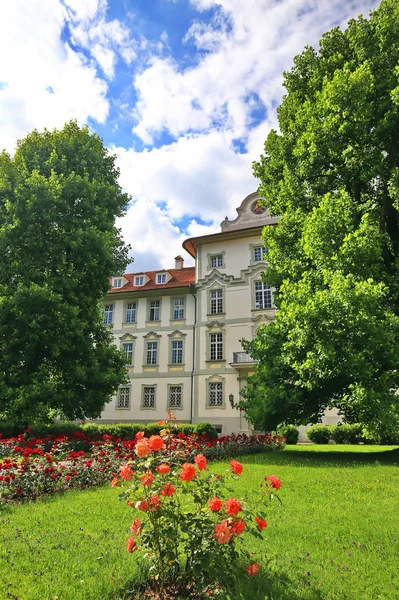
(215,328)
(170,385)
(176,336)
(215,379)
(146,385)
(112,311)
(252,247)
(151,337)
(211,255)
(117,407)
(255,279)
(149,301)
(215,288)
(172,300)
(125,305)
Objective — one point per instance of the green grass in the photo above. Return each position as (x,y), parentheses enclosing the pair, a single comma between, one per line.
(336,535)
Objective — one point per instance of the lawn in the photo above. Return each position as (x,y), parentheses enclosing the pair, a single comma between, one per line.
(336,535)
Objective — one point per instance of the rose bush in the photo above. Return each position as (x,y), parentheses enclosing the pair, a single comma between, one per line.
(185,530)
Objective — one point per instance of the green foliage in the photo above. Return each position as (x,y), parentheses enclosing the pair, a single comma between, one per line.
(290,432)
(59,197)
(332,176)
(319,434)
(206,429)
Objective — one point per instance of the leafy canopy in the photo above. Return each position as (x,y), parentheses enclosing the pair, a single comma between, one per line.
(59,198)
(332,175)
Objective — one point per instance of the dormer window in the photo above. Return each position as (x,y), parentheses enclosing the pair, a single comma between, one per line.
(161,277)
(139,280)
(117,282)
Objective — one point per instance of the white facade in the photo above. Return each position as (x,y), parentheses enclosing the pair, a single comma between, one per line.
(194,364)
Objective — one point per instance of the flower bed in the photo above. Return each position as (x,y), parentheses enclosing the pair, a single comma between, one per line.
(33,466)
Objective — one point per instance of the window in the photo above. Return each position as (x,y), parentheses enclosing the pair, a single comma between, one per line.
(161,277)
(154,310)
(217,261)
(216,394)
(139,280)
(178,309)
(131,312)
(108,314)
(148,396)
(177,352)
(216,302)
(216,344)
(128,349)
(259,253)
(263,295)
(123,400)
(175,396)
(152,353)
(117,282)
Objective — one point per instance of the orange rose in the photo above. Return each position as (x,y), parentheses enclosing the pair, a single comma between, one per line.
(156,442)
(142,448)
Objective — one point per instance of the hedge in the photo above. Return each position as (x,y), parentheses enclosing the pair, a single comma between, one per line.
(345,433)
(96,430)
(290,432)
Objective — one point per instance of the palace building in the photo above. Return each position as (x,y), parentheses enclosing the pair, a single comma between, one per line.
(181,328)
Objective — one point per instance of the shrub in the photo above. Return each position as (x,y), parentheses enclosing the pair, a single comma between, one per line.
(319,434)
(346,433)
(206,429)
(290,432)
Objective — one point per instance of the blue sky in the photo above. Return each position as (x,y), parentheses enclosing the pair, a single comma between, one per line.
(184,92)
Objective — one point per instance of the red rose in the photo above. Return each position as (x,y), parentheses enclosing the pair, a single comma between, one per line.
(200,461)
(156,442)
(154,502)
(252,570)
(131,545)
(215,504)
(67,477)
(126,472)
(274,481)
(162,469)
(261,523)
(223,532)
(143,505)
(232,506)
(147,479)
(236,466)
(167,490)
(115,482)
(238,527)
(135,526)
(142,448)
(188,472)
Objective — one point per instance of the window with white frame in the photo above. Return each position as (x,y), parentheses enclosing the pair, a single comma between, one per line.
(131,309)
(117,282)
(152,353)
(148,396)
(263,295)
(259,253)
(216,302)
(177,352)
(123,399)
(139,280)
(217,261)
(178,309)
(161,277)
(215,393)
(216,346)
(108,314)
(154,310)
(127,347)
(175,396)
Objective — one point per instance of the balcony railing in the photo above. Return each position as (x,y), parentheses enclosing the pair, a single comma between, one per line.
(243,357)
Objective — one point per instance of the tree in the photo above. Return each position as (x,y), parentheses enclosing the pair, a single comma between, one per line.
(59,197)
(332,175)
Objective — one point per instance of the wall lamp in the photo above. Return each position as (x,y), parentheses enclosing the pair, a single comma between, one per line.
(231,400)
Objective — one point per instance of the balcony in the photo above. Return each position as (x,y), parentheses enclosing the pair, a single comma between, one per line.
(242,360)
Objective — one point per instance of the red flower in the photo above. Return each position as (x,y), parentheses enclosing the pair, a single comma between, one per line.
(142,448)
(167,490)
(154,502)
(215,504)
(188,472)
(156,442)
(238,527)
(252,570)
(163,468)
(200,461)
(261,523)
(139,435)
(274,481)
(135,526)
(236,466)
(143,505)
(114,482)
(126,472)
(131,545)
(223,532)
(147,479)
(232,506)
(67,477)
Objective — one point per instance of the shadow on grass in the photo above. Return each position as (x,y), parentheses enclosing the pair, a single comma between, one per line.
(303,458)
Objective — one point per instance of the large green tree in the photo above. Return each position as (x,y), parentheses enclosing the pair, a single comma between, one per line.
(59,197)
(332,174)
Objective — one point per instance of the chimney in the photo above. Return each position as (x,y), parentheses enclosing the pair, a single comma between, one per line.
(179,260)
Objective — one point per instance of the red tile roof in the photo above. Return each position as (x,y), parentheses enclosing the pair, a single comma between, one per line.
(179,278)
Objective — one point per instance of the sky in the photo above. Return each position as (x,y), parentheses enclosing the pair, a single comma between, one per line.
(183,92)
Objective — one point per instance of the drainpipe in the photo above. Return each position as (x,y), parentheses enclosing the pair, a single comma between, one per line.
(191,287)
